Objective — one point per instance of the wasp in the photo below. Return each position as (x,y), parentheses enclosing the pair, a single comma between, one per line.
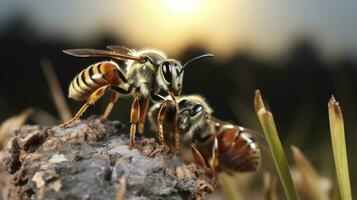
(216,145)
(144,74)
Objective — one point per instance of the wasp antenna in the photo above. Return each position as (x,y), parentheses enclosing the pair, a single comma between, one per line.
(194,59)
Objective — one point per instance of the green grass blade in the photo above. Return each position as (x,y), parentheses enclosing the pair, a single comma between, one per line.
(335,191)
(229,190)
(339,148)
(267,122)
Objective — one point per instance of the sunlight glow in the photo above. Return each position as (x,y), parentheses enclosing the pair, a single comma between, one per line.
(182,6)
(175,25)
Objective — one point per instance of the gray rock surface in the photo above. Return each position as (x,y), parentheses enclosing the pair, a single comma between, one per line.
(87,161)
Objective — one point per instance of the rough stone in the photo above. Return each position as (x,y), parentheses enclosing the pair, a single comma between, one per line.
(87,160)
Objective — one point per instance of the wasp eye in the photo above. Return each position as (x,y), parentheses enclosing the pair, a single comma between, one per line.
(182,103)
(202,138)
(167,71)
(196,110)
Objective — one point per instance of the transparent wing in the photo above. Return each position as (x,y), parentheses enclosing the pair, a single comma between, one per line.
(120,49)
(259,138)
(101,53)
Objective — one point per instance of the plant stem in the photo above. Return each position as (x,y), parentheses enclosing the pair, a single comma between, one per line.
(267,122)
(339,148)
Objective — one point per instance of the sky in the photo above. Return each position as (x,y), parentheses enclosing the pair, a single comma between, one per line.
(223,27)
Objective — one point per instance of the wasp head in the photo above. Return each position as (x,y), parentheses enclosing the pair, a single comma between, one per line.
(171,76)
(191,115)
(171,73)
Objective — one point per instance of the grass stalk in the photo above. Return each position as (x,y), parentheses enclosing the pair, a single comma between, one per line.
(339,148)
(229,189)
(267,122)
(56,91)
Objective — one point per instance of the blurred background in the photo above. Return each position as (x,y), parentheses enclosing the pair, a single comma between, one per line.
(298,53)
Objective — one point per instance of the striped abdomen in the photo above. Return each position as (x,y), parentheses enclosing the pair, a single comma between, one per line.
(94,77)
(237,149)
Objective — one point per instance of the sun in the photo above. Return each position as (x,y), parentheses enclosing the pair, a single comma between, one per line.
(181,6)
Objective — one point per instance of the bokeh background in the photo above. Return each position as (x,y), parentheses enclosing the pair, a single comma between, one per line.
(298,53)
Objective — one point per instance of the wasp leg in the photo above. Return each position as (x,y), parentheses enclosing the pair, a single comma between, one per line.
(160,120)
(91,100)
(214,177)
(160,117)
(204,186)
(199,158)
(143,113)
(201,161)
(121,90)
(177,141)
(159,149)
(134,118)
(109,108)
(177,134)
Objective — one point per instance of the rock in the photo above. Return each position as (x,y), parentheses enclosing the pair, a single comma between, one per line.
(87,161)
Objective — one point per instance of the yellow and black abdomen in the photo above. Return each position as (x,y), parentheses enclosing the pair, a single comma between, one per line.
(92,78)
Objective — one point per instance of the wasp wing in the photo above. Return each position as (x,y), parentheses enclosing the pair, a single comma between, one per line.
(120,49)
(101,53)
(259,138)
